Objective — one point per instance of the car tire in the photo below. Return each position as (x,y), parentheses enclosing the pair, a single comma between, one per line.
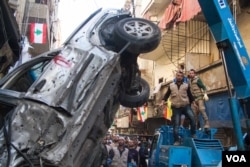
(143,35)
(135,100)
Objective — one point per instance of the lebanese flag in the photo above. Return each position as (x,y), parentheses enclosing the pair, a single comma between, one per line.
(142,113)
(38,33)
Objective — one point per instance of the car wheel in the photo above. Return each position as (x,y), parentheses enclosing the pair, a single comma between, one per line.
(143,35)
(135,99)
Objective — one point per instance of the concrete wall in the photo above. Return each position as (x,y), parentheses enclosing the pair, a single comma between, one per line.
(243,23)
(214,77)
(209,67)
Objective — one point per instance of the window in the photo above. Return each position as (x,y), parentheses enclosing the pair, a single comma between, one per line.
(160,80)
(23,79)
(41,1)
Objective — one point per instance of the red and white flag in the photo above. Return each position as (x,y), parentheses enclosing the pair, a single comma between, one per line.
(142,113)
(38,33)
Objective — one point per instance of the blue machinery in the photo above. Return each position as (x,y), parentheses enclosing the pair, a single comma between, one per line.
(202,152)
(199,152)
(235,60)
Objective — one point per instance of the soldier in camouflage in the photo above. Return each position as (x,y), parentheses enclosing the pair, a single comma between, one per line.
(198,90)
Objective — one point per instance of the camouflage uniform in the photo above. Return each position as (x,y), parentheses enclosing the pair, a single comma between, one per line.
(197,86)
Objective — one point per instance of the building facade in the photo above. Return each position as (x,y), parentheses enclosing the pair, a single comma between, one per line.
(189,44)
(38,13)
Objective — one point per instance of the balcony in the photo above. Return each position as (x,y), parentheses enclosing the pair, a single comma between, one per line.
(38,11)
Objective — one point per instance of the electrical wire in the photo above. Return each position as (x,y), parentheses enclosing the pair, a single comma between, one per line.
(7,136)
(234,9)
(133,8)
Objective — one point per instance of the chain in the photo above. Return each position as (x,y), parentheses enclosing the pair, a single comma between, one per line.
(133,8)
(234,9)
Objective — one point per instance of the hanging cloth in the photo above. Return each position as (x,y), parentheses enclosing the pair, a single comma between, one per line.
(179,11)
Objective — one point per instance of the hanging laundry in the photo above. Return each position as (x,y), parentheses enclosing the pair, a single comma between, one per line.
(189,10)
(38,33)
(179,11)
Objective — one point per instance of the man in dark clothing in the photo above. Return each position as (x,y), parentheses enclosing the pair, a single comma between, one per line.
(143,154)
(110,152)
(101,158)
(181,98)
(133,156)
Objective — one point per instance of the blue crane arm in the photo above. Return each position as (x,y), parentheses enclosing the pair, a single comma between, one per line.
(225,32)
(235,58)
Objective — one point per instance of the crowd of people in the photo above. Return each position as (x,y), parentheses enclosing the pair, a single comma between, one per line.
(187,96)
(124,151)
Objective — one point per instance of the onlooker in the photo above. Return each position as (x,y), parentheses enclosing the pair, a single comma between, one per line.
(110,152)
(108,138)
(127,139)
(133,155)
(181,97)
(120,158)
(115,140)
(137,144)
(198,90)
(143,154)
(101,158)
(104,155)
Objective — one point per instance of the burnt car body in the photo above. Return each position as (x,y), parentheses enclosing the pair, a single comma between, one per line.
(56,107)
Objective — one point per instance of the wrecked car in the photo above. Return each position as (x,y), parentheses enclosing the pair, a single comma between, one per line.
(56,107)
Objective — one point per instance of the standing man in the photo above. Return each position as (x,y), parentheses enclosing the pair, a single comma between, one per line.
(143,154)
(101,157)
(133,155)
(181,97)
(185,80)
(198,90)
(120,158)
(110,151)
